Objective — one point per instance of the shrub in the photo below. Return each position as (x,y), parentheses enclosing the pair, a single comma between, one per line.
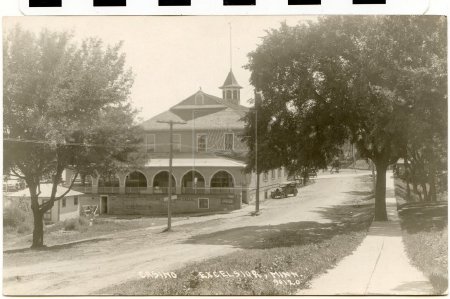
(75,223)
(71,224)
(25,227)
(17,219)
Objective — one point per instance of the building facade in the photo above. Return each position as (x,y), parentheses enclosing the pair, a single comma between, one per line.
(205,177)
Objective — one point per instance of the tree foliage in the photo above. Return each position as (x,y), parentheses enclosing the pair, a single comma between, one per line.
(355,78)
(66,105)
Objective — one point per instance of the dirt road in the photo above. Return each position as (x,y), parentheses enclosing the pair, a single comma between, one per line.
(85,268)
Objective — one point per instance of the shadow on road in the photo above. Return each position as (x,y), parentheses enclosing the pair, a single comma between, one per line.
(56,247)
(345,219)
(360,193)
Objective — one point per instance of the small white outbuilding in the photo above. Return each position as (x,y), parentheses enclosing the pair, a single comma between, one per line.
(65,208)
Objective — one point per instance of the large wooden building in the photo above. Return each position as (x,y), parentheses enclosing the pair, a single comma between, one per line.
(205,178)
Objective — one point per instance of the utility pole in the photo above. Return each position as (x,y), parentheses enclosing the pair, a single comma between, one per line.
(256,163)
(169,201)
(257,98)
(353,157)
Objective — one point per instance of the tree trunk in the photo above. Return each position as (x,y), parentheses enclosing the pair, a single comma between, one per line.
(432,181)
(257,194)
(407,176)
(380,192)
(424,190)
(38,215)
(417,192)
(38,231)
(408,190)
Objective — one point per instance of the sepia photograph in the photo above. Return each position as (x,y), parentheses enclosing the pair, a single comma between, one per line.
(225,155)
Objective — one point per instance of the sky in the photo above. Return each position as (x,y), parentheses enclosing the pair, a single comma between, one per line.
(172,57)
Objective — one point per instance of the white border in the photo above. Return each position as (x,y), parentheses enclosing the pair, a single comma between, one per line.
(262,7)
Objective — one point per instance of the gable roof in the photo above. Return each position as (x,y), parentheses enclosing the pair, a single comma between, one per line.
(214,114)
(202,97)
(230,81)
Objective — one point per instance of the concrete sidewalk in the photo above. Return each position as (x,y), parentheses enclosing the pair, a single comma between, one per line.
(379,266)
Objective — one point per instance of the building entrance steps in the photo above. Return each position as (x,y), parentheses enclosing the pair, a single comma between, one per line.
(379,266)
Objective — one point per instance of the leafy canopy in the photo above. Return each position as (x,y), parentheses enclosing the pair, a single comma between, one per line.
(66,105)
(346,78)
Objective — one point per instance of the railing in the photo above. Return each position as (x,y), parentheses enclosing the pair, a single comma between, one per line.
(160,190)
(136,190)
(221,190)
(84,189)
(190,190)
(164,190)
(108,190)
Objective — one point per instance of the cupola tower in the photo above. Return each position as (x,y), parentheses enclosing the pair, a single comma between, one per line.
(231,90)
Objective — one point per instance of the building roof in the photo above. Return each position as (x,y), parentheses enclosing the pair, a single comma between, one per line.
(46,191)
(201,111)
(230,81)
(197,162)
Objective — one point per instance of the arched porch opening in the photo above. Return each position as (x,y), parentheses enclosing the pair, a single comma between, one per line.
(108,183)
(193,182)
(135,182)
(161,183)
(222,182)
(82,183)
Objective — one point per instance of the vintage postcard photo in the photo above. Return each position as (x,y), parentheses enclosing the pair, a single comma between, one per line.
(225,155)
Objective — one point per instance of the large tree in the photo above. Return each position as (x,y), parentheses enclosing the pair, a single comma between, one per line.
(65,106)
(343,78)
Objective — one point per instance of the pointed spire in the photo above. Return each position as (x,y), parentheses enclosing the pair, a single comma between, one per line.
(230,81)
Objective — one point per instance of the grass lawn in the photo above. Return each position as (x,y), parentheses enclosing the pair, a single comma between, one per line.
(75,230)
(274,260)
(425,235)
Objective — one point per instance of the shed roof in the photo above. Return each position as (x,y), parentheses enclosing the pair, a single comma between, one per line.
(46,191)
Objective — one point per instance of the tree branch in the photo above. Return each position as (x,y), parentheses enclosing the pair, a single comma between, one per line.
(45,205)
(17,175)
(68,188)
(39,189)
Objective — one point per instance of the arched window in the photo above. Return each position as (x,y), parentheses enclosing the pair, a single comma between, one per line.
(193,182)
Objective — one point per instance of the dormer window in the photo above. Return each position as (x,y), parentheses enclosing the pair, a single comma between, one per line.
(199,99)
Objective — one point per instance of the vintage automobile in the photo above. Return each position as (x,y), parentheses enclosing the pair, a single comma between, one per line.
(284,190)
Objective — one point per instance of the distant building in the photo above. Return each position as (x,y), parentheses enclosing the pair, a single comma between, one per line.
(13,184)
(207,176)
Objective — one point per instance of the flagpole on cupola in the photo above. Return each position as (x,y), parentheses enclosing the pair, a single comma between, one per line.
(231,51)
